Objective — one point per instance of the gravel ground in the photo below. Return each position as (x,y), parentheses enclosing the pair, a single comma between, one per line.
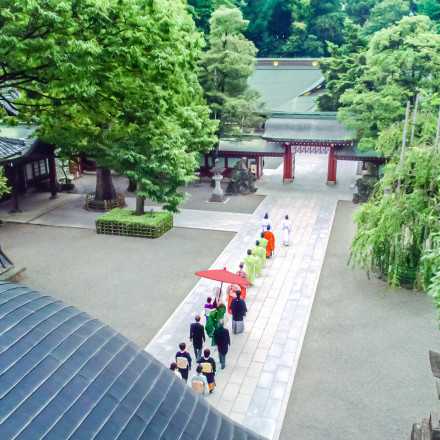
(132,284)
(198,196)
(364,369)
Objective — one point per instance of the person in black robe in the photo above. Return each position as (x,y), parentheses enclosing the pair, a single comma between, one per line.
(239,310)
(209,368)
(183,354)
(222,341)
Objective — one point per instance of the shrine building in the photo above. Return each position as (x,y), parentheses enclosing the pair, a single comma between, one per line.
(290,87)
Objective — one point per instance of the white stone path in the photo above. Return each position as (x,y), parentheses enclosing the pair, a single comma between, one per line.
(254,387)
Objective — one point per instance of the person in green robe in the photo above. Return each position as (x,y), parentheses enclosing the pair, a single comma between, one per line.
(263,244)
(258,252)
(213,321)
(249,265)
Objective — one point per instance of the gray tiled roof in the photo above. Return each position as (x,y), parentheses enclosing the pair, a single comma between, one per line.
(301,129)
(257,145)
(65,375)
(10,147)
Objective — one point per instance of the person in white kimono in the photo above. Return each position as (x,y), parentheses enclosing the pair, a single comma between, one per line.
(287,230)
(266,222)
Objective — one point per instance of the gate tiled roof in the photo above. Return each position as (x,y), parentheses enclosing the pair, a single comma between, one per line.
(64,374)
(307,129)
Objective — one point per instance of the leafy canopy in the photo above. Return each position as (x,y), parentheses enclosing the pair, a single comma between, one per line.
(385,14)
(116,79)
(343,68)
(393,227)
(401,61)
(224,73)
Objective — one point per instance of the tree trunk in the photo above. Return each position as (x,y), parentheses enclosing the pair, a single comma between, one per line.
(140,209)
(131,186)
(104,185)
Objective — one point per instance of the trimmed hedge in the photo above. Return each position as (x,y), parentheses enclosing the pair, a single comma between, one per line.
(125,222)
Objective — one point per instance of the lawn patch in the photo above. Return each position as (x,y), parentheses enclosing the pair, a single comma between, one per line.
(125,222)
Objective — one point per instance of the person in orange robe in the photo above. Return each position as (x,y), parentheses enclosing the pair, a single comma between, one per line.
(232,288)
(270,248)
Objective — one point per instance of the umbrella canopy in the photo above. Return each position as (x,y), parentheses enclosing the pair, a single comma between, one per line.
(224,276)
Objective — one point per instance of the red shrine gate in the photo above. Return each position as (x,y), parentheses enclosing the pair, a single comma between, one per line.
(309,133)
(291,148)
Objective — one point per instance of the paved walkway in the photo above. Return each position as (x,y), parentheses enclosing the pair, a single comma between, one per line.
(67,211)
(255,386)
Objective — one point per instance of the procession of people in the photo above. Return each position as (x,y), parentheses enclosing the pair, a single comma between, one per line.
(216,311)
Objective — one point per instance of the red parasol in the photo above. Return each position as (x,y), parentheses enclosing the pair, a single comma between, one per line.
(224,276)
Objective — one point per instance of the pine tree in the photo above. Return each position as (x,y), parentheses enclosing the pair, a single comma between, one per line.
(225,69)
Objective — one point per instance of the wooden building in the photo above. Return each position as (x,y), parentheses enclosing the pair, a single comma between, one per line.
(27,162)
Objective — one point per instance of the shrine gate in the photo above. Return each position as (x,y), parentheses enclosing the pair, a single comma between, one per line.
(309,133)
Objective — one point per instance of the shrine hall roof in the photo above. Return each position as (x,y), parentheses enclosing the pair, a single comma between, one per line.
(306,127)
(65,374)
(288,86)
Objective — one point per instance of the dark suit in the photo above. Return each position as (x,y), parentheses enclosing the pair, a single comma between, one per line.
(222,340)
(197,335)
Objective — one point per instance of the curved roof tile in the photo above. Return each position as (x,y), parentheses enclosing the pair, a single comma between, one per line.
(65,375)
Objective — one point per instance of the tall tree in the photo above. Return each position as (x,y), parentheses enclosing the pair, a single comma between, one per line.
(394,226)
(401,61)
(56,55)
(343,68)
(203,9)
(431,8)
(96,74)
(156,120)
(385,14)
(359,10)
(225,69)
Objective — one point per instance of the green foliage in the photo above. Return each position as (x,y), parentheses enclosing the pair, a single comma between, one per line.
(130,218)
(224,72)
(129,224)
(394,225)
(343,68)
(115,79)
(4,189)
(359,10)
(385,14)
(203,9)
(294,27)
(431,8)
(431,269)
(401,61)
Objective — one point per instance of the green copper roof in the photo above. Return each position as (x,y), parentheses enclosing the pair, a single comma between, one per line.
(282,85)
